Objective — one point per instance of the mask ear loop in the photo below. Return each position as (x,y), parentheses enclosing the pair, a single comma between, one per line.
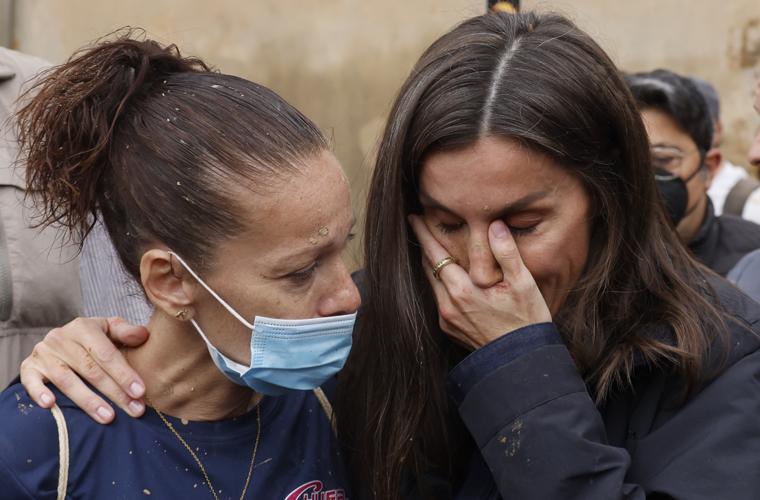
(212,292)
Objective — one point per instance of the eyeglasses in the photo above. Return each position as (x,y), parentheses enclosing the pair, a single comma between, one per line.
(669,158)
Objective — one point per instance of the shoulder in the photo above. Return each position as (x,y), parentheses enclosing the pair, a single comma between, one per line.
(22,65)
(741,231)
(735,302)
(746,274)
(742,320)
(28,443)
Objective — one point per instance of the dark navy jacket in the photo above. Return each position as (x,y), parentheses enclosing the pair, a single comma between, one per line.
(542,437)
(722,241)
(746,275)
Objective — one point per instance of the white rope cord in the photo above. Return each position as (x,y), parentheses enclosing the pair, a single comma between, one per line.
(327,408)
(63,451)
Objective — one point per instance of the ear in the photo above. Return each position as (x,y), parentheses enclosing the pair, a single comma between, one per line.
(717,134)
(166,283)
(713,161)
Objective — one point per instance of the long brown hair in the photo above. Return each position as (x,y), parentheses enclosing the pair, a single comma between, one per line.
(540,80)
(156,144)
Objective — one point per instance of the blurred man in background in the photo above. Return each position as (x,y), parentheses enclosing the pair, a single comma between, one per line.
(680,131)
(732,190)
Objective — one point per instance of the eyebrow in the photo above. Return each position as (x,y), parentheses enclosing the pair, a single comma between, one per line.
(508,209)
(285,262)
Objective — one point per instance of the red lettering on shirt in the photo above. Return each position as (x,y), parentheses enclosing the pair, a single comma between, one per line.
(313,491)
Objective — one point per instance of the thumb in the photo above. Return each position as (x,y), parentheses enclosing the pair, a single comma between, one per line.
(504,250)
(121,331)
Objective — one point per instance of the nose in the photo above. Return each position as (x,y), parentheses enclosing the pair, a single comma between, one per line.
(754,151)
(484,270)
(342,296)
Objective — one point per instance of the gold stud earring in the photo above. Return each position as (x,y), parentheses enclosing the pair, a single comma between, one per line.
(181,314)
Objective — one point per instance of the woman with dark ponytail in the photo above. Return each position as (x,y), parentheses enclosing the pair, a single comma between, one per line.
(226,205)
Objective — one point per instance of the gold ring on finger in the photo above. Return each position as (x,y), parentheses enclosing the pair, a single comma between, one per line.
(441,264)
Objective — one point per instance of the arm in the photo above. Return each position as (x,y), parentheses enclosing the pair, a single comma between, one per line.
(536,426)
(538,429)
(542,436)
(83,348)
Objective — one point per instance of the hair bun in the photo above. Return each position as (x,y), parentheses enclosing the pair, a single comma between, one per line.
(66,130)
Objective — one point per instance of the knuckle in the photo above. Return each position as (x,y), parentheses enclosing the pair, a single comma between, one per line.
(508,253)
(90,370)
(76,323)
(53,335)
(444,313)
(25,366)
(37,350)
(460,293)
(41,353)
(103,351)
(63,377)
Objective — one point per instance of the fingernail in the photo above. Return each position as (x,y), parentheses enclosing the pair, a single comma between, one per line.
(104,413)
(135,407)
(136,390)
(46,399)
(499,230)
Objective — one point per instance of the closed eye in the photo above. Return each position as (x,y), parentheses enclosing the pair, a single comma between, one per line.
(449,228)
(515,230)
(522,231)
(303,276)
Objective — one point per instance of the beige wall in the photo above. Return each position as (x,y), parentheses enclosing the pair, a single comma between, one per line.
(341,61)
(716,40)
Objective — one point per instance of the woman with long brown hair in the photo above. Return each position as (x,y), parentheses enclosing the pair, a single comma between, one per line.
(529,314)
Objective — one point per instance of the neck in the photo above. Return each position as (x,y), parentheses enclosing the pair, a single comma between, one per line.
(181,379)
(689,227)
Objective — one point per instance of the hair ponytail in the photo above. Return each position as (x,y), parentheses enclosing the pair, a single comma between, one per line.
(66,130)
(156,145)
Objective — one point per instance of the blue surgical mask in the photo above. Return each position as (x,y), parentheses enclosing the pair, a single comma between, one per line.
(286,354)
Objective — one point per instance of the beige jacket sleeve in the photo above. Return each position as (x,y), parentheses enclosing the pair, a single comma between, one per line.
(39,276)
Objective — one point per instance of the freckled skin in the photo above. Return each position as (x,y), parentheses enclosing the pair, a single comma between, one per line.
(248,271)
(496,171)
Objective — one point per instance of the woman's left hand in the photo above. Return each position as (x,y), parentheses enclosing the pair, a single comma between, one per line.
(476,316)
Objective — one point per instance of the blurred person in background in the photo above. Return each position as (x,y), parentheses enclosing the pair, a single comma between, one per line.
(754,150)
(746,274)
(107,288)
(532,327)
(732,190)
(39,272)
(680,131)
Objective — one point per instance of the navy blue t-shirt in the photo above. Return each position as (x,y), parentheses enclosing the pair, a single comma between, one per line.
(297,458)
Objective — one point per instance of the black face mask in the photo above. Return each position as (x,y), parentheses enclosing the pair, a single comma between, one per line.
(674,194)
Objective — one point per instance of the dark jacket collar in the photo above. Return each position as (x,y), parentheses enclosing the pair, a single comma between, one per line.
(707,235)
